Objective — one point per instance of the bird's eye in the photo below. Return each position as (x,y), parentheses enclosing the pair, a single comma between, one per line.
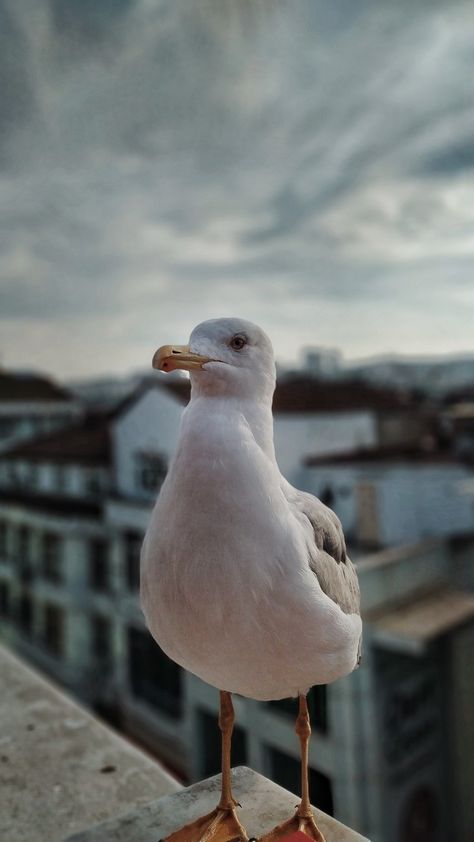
(238,342)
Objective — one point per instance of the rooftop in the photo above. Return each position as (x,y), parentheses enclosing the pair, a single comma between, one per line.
(301,393)
(306,394)
(86,442)
(23,388)
(420,619)
(394,454)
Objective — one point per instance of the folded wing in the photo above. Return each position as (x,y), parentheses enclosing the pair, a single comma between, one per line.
(327,556)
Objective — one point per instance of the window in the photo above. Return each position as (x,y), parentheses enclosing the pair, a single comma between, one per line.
(150,471)
(327,496)
(286,771)
(23,544)
(317,707)
(210,737)
(13,544)
(54,629)
(25,614)
(7,427)
(3,540)
(153,676)
(92,482)
(33,475)
(60,477)
(51,557)
(4,599)
(25,568)
(12,473)
(98,565)
(133,543)
(100,637)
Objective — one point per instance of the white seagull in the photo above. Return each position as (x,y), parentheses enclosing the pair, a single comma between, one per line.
(245,581)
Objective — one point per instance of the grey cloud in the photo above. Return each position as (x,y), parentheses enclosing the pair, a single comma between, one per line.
(17,101)
(295,154)
(453,160)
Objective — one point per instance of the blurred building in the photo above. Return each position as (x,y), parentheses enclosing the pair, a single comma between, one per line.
(322,363)
(386,496)
(432,375)
(392,744)
(322,418)
(458,425)
(31,404)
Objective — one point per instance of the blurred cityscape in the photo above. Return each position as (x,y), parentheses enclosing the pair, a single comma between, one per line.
(389,445)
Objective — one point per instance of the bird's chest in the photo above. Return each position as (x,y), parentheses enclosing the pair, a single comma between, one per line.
(219,527)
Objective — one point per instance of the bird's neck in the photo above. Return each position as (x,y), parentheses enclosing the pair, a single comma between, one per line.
(257,414)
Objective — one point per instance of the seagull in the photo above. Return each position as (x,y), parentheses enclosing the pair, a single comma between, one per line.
(245,580)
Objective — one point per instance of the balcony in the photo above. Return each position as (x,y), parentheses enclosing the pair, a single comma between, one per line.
(64,775)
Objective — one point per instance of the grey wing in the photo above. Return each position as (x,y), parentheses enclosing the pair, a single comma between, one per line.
(328,558)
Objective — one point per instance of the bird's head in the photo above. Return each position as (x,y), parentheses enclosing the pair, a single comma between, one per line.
(229,357)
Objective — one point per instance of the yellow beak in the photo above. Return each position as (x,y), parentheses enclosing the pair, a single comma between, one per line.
(170,357)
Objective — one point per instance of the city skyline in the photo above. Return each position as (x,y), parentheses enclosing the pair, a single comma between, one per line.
(308,168)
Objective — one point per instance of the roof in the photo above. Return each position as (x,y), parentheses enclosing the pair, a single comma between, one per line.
(85,442)
(303,394)
(417,622)
(306,394)
(394,454)
(30,387)
(179,388)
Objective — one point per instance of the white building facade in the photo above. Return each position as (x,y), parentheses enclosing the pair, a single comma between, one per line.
(392,498)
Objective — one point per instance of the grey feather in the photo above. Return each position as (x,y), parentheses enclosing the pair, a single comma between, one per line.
(328,558)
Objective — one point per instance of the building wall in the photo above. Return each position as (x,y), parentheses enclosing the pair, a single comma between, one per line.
(411,501)
(300,435)
(150,425)
(461,730)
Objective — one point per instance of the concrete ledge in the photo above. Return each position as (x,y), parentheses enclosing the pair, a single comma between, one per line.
(264,804)
(61,770)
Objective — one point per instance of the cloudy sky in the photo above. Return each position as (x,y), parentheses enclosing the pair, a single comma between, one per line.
(307,165)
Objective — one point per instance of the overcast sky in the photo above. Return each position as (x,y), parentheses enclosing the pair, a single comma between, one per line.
(307,165)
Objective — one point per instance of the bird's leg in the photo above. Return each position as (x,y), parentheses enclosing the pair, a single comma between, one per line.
(303,820)
(226,725)
(222,825)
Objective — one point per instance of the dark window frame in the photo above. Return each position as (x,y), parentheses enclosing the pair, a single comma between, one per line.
(4,539)
(101,637)
(25,614)
(132,547)
(54,622)
(52,557)
(153,677)
(150,471)
(99,567)
(5,599)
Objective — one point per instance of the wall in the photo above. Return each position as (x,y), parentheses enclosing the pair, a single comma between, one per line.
(151,424)
(300,435)
(412,501)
